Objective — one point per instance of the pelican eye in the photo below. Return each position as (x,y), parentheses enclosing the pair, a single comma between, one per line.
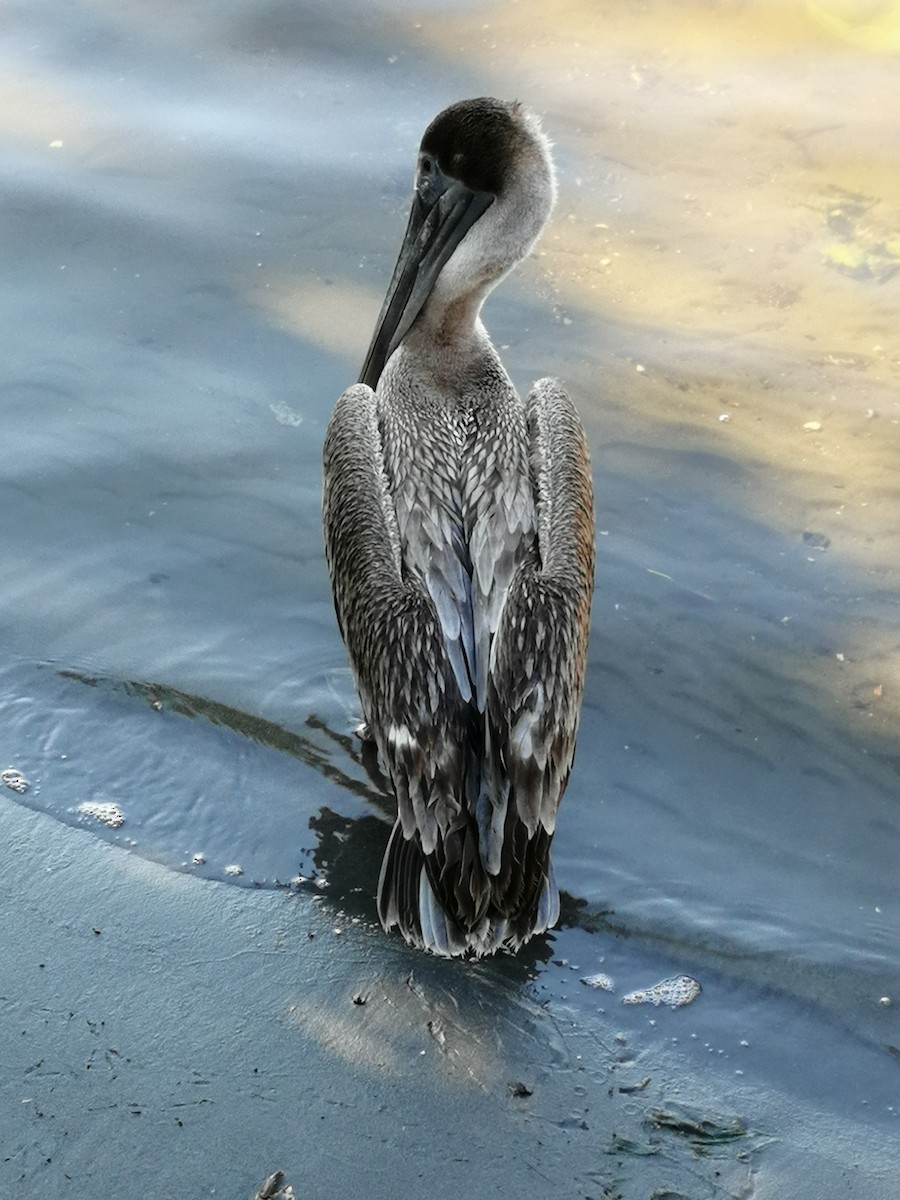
(427,176)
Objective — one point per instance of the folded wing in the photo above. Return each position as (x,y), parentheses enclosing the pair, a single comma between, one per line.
(536,677)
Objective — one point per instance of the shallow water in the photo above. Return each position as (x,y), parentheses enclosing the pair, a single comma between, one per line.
(202,207)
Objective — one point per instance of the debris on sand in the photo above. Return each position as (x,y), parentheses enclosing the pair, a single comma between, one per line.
(15,781)
(701,1129)
(675,992)
(600,980)
(273,1187)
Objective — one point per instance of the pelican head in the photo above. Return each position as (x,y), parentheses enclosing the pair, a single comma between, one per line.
(484,188)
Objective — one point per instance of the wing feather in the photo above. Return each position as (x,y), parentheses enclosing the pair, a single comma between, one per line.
(434,547)
(537,668)
(392,628)
(407,682)
(499,496)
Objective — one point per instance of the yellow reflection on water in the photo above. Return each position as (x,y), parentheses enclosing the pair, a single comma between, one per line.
(318,310)
(728,239)
(40,113)
(872,24)
(733,202)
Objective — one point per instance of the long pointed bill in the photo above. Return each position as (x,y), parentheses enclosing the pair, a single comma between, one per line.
(436,227)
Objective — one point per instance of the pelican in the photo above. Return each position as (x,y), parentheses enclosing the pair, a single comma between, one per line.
(459,535)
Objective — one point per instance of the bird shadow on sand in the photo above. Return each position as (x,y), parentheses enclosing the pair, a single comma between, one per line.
(348,849)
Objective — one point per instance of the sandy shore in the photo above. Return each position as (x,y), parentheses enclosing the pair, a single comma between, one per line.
(164,1035)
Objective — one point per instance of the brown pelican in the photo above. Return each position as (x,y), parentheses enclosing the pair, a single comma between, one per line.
(459,537)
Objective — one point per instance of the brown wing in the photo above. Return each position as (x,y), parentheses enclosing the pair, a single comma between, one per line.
(538,657)
(406,682)
(390,627)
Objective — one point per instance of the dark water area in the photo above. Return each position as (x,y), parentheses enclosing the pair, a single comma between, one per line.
(201,209)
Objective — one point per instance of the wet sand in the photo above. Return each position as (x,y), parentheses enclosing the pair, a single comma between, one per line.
(165,1035)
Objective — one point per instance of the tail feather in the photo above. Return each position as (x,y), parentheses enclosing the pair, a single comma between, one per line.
(447,904)
(398,887)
